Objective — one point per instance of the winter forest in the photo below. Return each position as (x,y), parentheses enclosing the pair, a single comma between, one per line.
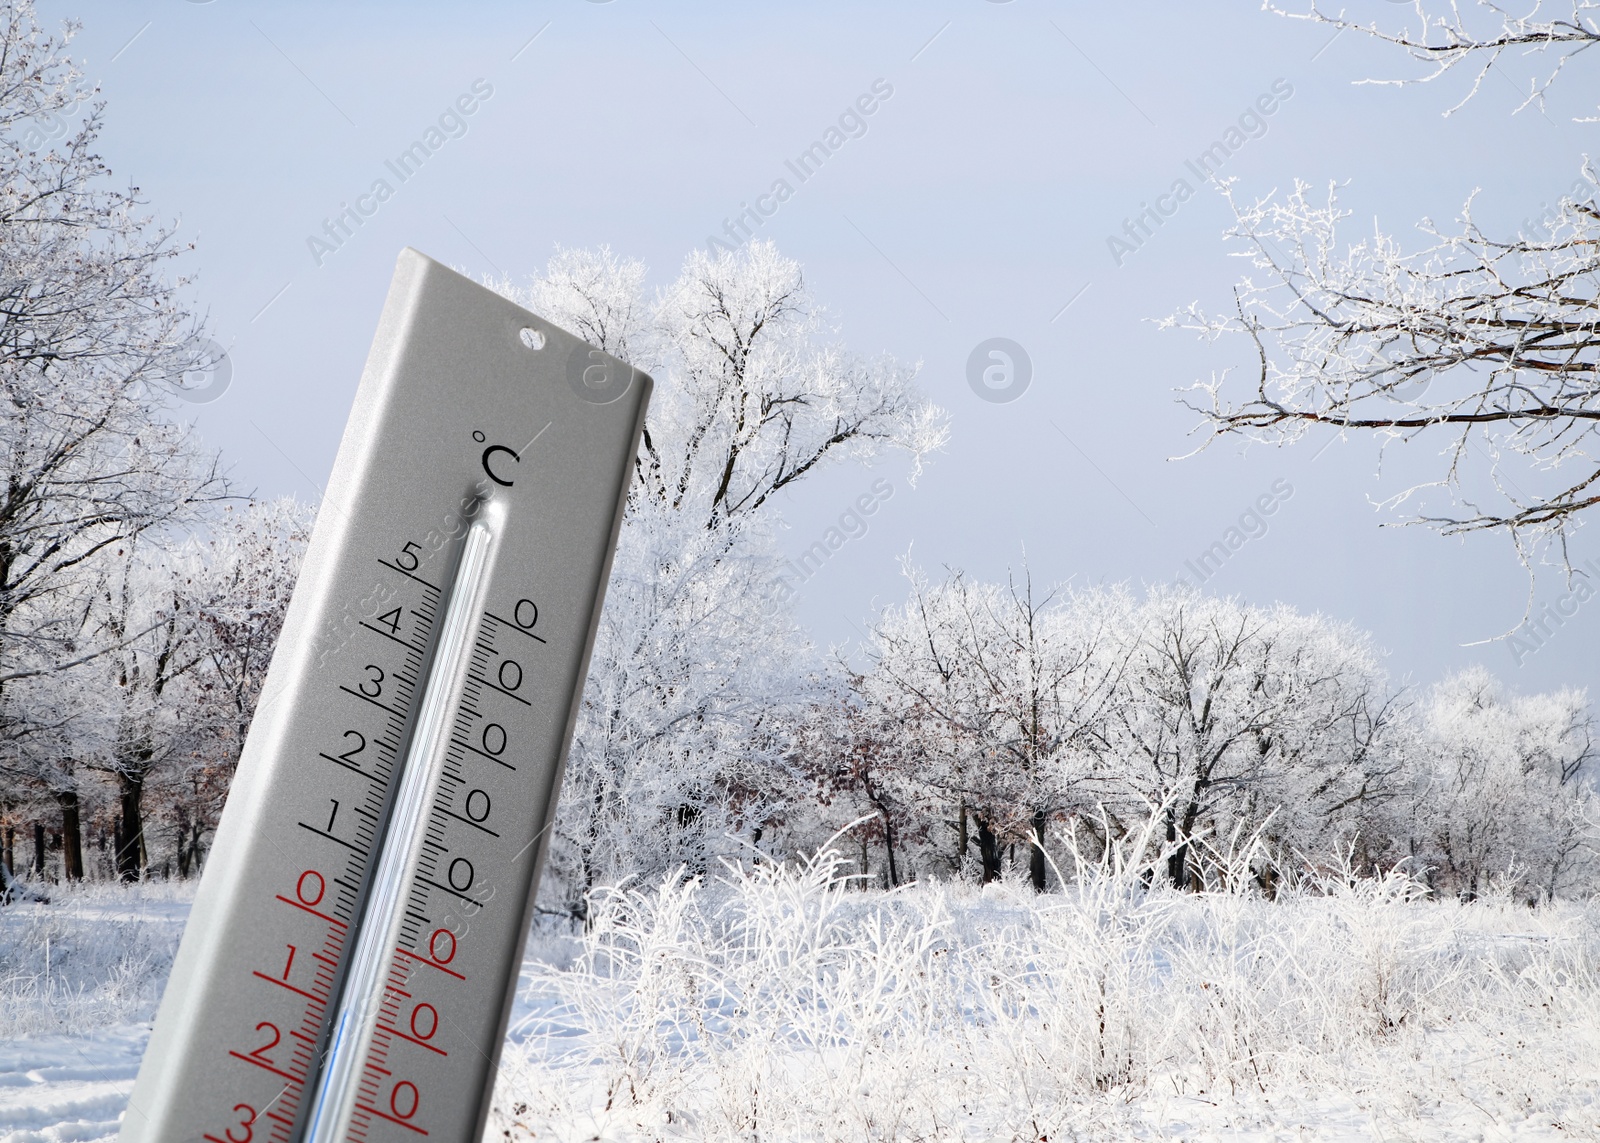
(1042,783)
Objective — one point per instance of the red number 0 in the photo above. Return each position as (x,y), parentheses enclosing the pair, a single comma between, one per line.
(405,1093)
(431,1020)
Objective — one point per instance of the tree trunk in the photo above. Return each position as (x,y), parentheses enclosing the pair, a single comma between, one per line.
(1036,862)
(888,828)
(988,850)
(130,843)
(183,840)
(1178,860)
(11,850)
(71,834)
(196,851)
(38,848)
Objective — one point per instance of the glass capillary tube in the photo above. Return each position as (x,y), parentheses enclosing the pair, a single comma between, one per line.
(364,988)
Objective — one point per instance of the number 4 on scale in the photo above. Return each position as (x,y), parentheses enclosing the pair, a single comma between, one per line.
(391,620)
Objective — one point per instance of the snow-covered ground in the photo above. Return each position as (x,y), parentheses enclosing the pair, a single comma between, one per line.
(68,1087)
(777,1005)
(79,982)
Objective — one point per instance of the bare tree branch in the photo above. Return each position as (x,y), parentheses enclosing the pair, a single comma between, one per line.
(1476,36)
(1489,345)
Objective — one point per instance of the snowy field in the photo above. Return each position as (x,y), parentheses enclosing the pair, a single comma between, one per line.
(80,979)
(780,1005)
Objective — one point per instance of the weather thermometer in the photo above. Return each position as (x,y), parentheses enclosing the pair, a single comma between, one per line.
(349,965)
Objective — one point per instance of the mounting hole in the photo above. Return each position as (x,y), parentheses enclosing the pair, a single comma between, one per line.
(531,337)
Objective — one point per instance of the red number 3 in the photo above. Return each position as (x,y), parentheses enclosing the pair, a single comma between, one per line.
(246,1124)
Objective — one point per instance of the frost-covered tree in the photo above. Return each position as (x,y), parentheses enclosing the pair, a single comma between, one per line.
(1230,713)
(1098,709)
(1007,687)
(245,562)
(1482,344)
(47,763)
(1504,787)
(249,558)
(92,336)
(1491,343)
(858,765)
(681,733)
(149,609)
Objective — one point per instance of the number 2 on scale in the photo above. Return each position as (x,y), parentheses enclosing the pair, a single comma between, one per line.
(261,1052)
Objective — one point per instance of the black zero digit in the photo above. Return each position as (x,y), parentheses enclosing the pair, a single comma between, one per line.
(494,739)
(477,800)
(510,675)
(517,614)
(465,883)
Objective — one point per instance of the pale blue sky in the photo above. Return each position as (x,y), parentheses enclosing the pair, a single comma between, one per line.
(978,204)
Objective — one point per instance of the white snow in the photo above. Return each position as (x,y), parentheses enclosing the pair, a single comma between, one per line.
(777,1002)
(80,979)
(70,1087)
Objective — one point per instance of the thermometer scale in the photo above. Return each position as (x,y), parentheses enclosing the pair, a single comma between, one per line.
(349,964)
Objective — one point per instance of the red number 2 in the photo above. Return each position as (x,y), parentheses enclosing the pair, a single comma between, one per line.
(261,1052)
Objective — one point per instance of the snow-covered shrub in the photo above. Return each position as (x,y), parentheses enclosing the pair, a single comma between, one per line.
(95,955)
(776,1003)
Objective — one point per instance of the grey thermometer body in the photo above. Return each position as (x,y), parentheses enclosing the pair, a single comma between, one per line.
(349,964)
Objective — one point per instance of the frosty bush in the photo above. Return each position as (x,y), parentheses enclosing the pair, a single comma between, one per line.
(95,956)
(773,1003)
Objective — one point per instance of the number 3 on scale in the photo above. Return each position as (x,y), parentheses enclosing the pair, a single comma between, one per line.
(246,1124)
